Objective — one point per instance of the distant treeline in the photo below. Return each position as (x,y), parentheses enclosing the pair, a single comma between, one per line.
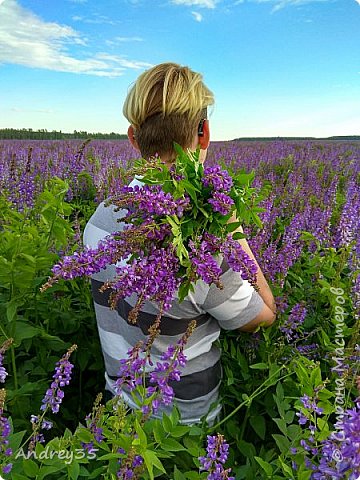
(271,139)
(43,134)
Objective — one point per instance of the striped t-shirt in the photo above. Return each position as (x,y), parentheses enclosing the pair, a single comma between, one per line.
(230,308)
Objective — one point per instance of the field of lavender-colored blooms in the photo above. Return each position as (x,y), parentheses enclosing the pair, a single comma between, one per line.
(285,389)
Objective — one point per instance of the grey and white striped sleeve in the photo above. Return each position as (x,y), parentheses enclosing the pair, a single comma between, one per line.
(236,304)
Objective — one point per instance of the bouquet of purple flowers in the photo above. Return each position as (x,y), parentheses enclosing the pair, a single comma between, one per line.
(176,222)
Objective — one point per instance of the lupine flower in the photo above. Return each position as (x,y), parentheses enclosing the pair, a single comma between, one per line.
(130,466)
(92,424)
(132,370)
(5,431)
(217,452)
(52,399)
(62,377)
(205,264)
(221,203)
(341,458)
(153,277)
(3,348)
(239,260)
(294,321)
(309,351)
(348,226)
(217,178)
(3,372)
(164,372)
(150,200)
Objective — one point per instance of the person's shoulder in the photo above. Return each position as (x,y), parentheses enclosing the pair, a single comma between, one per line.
(105,220)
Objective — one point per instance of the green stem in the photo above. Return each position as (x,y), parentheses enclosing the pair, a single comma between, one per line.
(53,223)
(248,401)
(244,423)
(13,363)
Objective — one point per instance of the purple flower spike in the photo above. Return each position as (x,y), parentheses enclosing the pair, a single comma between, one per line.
(294,321)
(217,454)
(62,377)
(221,203)
(5,431)
(217,178)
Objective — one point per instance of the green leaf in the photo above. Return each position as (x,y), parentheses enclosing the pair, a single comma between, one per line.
(230,227)
(15,440)
(25,330)
(246,448)
(142,438)
(238,236)
(152,461)
(286,468)
(258,424)
(259,366)
(282,442)
(84,435)
(171,445)
(74,470)
(180,431)
(178,475)
(11,310)
(167,423)
(45,471)
(265,466)
(30,468)
(281,423)
(159,432)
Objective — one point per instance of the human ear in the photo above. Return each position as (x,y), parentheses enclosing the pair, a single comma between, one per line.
(204,138)
(132,138)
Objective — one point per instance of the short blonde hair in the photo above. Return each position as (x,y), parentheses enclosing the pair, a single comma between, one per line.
(165,106)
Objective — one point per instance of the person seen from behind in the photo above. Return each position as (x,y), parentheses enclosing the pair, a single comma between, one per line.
(168,103)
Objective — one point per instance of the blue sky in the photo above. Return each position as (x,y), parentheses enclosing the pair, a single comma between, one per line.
(276,67)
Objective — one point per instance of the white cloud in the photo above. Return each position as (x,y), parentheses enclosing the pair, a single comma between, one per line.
(130,39)
(196,3)
(280,4)
(26,39)
(357,1)
(119,40)
(97,20)
(198,17)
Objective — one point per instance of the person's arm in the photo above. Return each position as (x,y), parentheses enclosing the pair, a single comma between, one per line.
(268,313)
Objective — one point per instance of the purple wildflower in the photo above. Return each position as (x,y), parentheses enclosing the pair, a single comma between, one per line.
(5,431)
(205,264)
(239,260)
(3,348)
(293,322)
(349,221)
(130,466)
(217,453)
(310,351)
(340,452)
(149,200)
(153,277)
(217,178)
(131,369)
(62,377)
(221,203)
(3,372)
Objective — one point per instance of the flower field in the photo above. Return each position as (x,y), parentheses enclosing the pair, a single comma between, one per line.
(290,393)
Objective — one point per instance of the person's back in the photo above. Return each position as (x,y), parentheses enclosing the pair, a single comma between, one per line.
(168,104)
